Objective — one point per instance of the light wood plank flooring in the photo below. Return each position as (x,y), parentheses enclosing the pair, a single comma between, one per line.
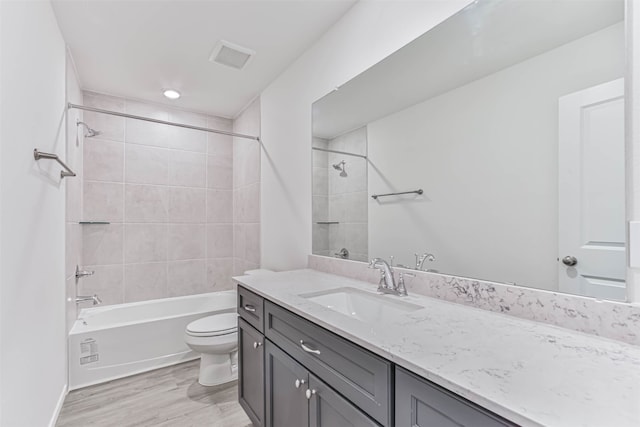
(165,397)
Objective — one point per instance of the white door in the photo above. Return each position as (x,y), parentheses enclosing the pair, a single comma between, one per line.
(592,192)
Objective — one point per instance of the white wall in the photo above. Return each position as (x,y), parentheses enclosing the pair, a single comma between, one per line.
(369,32)
(32,314)
(486,156)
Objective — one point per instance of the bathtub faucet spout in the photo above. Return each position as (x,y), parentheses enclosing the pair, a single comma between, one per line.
(96,300)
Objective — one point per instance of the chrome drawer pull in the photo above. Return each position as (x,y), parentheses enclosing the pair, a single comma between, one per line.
(310,393)
(298,383)
(250,308)
(308,349)
(257,344)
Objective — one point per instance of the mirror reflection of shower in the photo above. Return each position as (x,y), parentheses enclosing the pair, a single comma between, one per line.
(89,132)
(341,167)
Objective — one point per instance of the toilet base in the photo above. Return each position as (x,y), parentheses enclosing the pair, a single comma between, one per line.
(217,369)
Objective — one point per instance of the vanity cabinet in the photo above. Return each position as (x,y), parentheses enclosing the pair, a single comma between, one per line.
(420,403)
(357,374)
(294,373)
(295,397)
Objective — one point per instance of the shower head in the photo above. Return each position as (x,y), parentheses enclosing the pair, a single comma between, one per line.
(88,131)
(341,167)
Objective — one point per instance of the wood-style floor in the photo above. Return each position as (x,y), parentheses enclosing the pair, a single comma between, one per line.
(164,397)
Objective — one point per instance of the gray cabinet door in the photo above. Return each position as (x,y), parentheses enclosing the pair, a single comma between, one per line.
(328,409)
(286,404)
(251,372)
(420,403)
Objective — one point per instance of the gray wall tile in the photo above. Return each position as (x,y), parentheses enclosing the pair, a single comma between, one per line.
(145,281)
(145,243)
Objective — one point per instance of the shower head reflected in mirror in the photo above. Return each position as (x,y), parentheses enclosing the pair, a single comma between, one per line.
(88,131)
(341,167)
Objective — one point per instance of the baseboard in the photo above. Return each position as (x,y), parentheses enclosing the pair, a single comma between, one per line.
(56,412)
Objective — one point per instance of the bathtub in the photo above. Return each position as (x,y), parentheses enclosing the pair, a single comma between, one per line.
(116,341)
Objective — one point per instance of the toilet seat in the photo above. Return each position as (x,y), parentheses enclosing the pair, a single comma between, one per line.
(213,326)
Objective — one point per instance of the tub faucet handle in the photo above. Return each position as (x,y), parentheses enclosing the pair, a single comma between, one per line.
(83,273)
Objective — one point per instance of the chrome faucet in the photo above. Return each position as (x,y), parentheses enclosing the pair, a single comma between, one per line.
(387,283)
(420,259)
(96,300)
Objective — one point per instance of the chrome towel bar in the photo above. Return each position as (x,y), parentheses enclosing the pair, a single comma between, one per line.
(418,191)
(40,155)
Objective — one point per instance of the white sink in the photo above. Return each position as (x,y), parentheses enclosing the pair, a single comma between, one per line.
(361,305)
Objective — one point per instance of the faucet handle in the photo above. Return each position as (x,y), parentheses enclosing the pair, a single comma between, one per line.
(402,289)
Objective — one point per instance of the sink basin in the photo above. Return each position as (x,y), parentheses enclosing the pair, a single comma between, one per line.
(361,305)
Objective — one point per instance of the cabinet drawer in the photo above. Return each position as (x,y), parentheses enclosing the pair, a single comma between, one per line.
(251,308)
(420,403)
(360,376)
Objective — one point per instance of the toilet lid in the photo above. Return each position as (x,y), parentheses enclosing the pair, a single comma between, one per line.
(218,324)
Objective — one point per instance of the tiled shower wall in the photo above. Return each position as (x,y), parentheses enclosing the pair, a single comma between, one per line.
(341,199)
(320,199)
(168,194)
(246,191)
(73,191)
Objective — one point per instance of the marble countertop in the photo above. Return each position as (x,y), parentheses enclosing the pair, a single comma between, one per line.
(531,373)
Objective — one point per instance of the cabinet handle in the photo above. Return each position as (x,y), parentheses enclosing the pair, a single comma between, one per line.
(257,344)
(299,383)
(308,349)
(250,308)
(310,393)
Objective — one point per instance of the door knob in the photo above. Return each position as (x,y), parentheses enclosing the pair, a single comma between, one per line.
(569,261)
(298,383)
(309,393)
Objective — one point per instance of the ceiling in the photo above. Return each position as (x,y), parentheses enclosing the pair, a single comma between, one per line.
(485,37)
(138,48)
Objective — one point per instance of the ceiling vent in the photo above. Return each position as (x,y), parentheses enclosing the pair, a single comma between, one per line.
(231,55)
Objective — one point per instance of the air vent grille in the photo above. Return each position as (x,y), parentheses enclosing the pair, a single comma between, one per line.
(231,55)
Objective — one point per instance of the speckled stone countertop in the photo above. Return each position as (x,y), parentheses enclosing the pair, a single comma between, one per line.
(530,373)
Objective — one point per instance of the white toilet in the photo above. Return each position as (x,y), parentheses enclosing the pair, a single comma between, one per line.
(216,339)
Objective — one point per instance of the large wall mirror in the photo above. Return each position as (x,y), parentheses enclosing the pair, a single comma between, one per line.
(504,127)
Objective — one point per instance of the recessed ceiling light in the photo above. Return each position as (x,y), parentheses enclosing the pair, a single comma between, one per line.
(171,93)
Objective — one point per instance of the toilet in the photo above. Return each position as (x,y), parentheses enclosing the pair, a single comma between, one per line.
(216,339)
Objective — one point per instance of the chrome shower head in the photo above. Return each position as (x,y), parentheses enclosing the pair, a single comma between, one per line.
(88,131)
(341,167)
